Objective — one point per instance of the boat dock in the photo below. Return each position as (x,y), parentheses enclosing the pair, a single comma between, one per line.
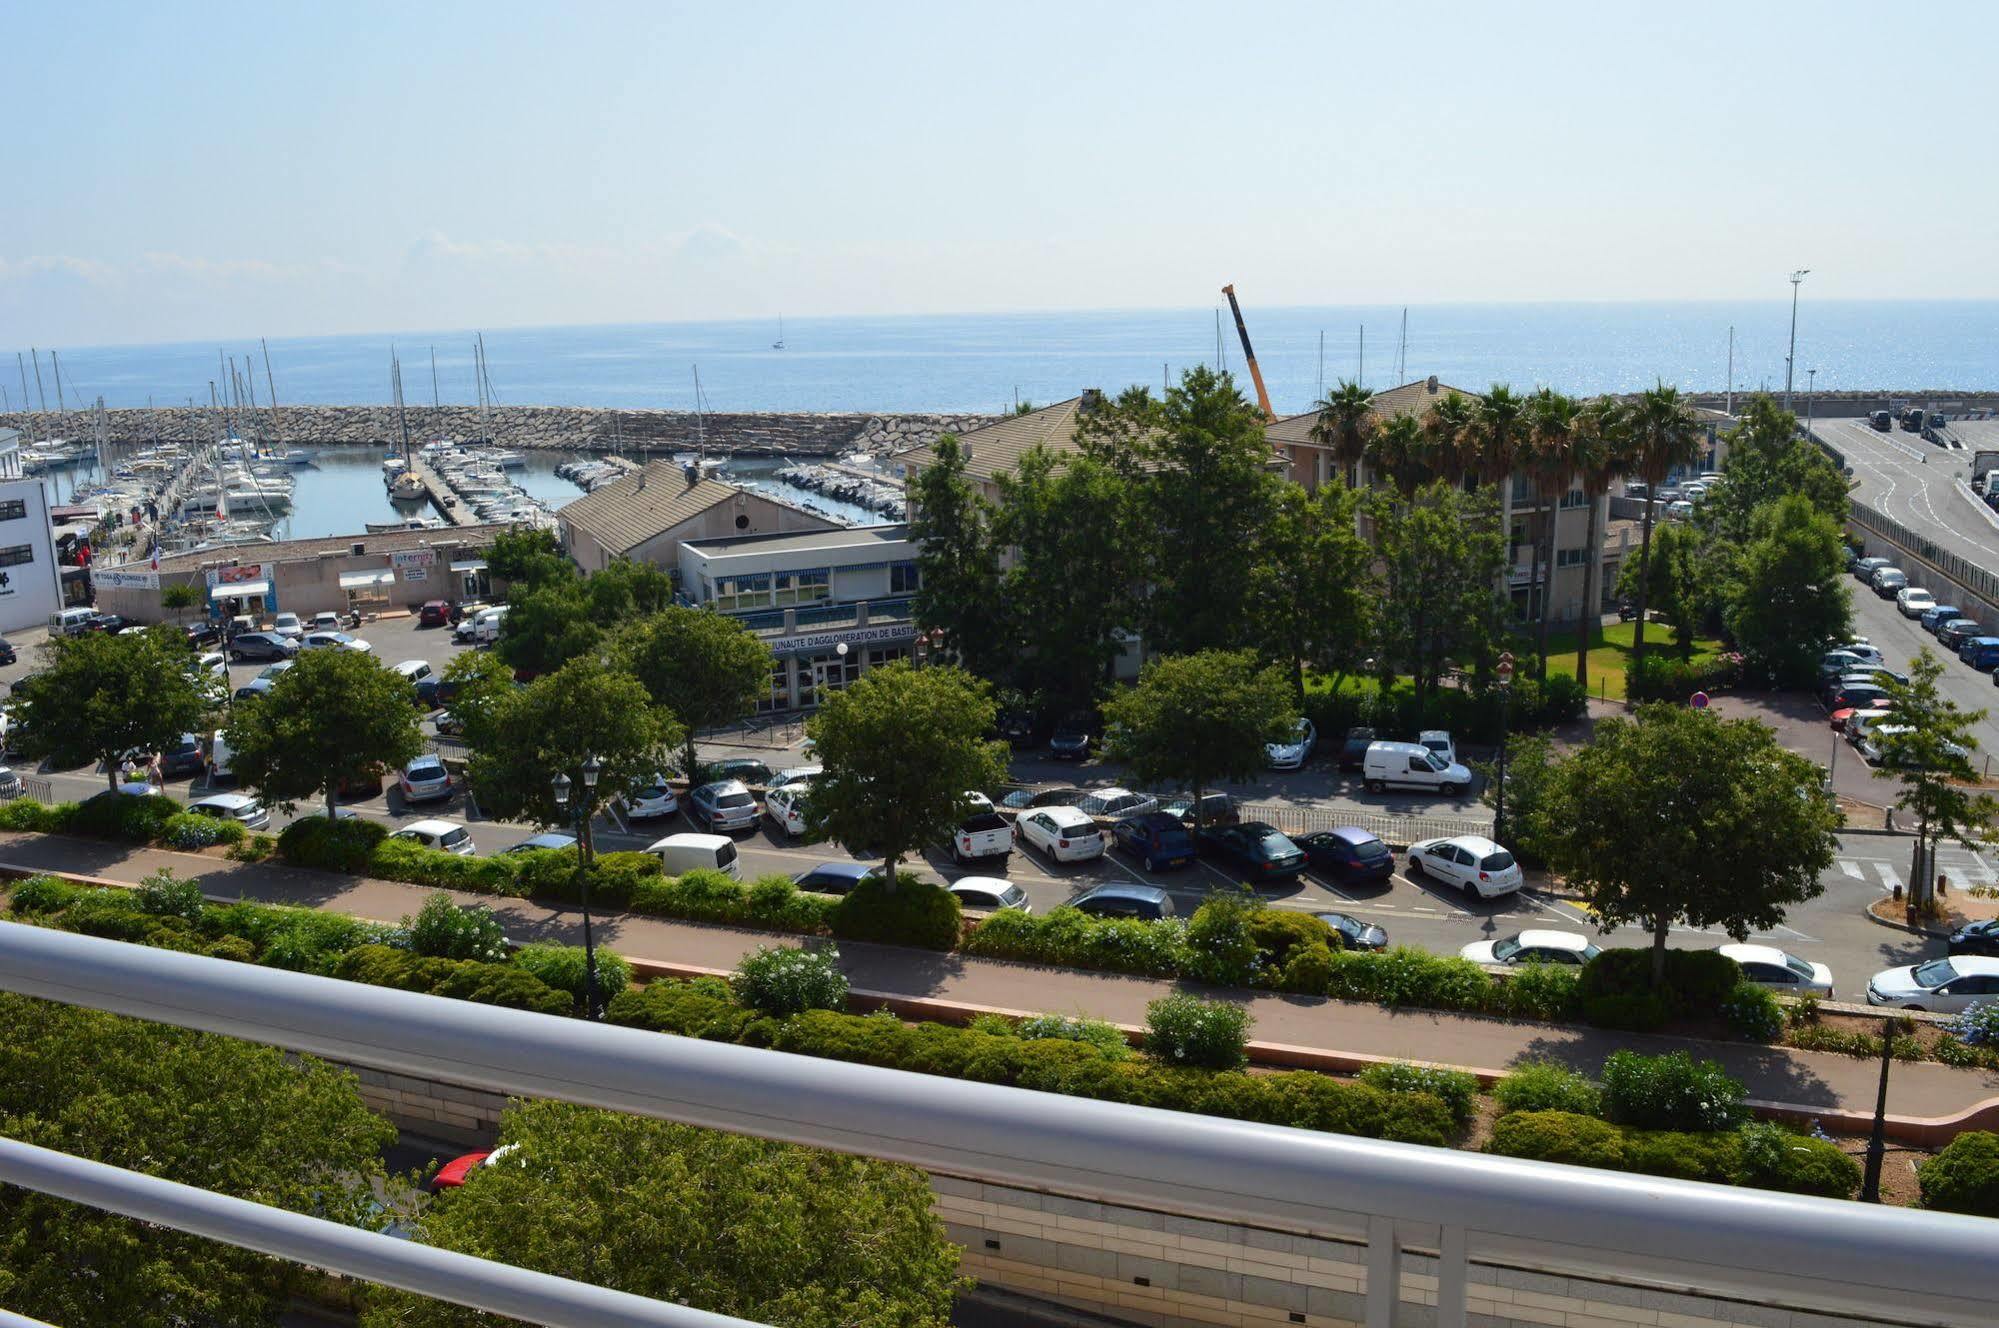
(457,513)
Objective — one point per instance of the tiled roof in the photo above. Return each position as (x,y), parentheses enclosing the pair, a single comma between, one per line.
(289,551)
(997,449)
(1409,399)
(626,513)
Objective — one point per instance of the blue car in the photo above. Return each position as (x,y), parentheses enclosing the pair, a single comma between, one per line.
(1981,652)
(1935,617)
(1156,839)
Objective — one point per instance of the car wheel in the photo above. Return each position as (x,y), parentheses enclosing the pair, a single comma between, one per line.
(1913,1007)
(1376,786)
(1451,790)
(1471,892)
(1416,867)
(1149,865)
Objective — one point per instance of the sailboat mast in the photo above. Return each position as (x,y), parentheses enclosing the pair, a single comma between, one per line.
(700,420)
(1402,351)
(277,421)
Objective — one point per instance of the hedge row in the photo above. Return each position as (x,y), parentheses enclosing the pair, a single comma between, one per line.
(705,1009)
(1759,1154)
(1666,679)
(1473,714)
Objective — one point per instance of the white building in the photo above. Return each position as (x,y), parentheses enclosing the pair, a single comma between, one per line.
(10,454)
(30,581)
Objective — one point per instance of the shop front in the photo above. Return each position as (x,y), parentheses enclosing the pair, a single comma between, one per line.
(808,669)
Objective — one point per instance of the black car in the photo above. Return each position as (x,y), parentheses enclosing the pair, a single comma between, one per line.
(183,756)
(1348,855)
(1260,852)
(1146,902)
(1976,938)
(261,645)
(1216,809)
(1015,728)
(1071,740)
(203,633)
(1859,697)
(1021,800)
(7,655)
(1353,933)
(745,768)
(109,622)
(1353,752)
(1957,631)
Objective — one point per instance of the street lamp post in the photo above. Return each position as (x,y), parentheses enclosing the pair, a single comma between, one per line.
(560,786)
(1505,671)
(1811,396)
(926,646)
(1797,278)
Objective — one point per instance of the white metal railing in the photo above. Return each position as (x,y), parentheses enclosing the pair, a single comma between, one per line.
(1806,1253)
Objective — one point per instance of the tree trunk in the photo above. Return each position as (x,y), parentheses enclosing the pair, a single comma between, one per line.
(692,765)
(1535,589)
(1592,596)
(332,800)
(1644,577)
(111,772)
(1298,677)
(890,857)
(1659,931)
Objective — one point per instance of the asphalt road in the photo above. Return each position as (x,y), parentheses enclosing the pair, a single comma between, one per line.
(1898,639)
(1914,482)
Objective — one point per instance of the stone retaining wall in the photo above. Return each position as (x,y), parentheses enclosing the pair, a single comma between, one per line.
(555,428)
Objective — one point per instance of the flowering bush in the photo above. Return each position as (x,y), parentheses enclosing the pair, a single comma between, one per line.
(165,895)
(1753,1013)
(788,981)
(1454,1088)
(1221,946)
(1978,1026)
(1672,1092)
(1099,1033)
(1183,1030)
(443,930)
(189,830)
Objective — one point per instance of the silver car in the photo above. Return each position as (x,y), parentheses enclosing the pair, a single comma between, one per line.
(724,806)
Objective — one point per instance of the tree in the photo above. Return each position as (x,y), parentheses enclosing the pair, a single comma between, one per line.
(767,1232)
(1441,554)
(1768,459)
(705,667)
(1501,429)
(1600,446)
(1789,592)
(957,561)
(1450,431)
(179,598)
(103,695)
(333,716)
(1670,582)
(900,748)
(1346,425)
(253,1122)
(1194,718)
(528,556)
(548,624)
(624,590)
(527,735)
(1663,434)
(1675,816)
(478,680)
(1401,453)
(1313,592)
(1927,745)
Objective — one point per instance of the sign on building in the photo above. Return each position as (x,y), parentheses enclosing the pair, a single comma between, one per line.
(105,578)
(30,582)
(410,558)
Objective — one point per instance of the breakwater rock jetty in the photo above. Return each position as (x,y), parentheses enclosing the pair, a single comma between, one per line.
(550,428)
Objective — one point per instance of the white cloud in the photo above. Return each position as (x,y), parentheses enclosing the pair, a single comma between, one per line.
(86,269)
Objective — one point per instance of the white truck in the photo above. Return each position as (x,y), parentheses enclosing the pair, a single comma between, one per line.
(983,834)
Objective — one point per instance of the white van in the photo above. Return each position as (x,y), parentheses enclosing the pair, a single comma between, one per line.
(686,851)
(218,761)
(70,622)
(413,671)
(487,629)
(1411,765)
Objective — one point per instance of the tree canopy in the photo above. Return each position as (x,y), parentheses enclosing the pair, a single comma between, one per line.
(1195,718)
(1314,594)
(102,695)
(1790,593)
(1927,746)
(1675,816)
(705,667)
(767,1232)
(333,716)
(1441,553)
(957,560)
(229,1116)
(528,556)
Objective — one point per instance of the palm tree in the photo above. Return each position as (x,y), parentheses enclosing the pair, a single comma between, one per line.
(1664,434)
(1345,425)
(1399,451)
(1448,437)
(1599,448)
(1550,458)
(1499,431)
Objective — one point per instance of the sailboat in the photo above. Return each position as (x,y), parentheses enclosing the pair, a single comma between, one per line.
(779,343)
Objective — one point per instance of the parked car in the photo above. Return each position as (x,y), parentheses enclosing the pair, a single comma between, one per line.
(746,769)
(1112,803)
(1914,601)
(8,655)
(1347,855)
(1938,613)
(1865,568)
(1294,751)
(722,807)
(424,780)
(334,641)
(245,810)
(448,836)
(185,755)
(1353,750)
(797,774)
(1837,663)
(988,894)
(786,808)
(1411,765)
(1023,799)
(1888,581)
(1473,863)
(326,621)
(685,852)
(1015,728)
(412,671)
(434,613)
(1942,986)
(1859,645)
(203,633)
(1976,938)
(251,690)
(1355,934)
(1861,722)
(1980,652)
(1440,742)
(1767,966)
(1159,840)
(288,626)
(1874,746)
(260,645)
(1071,739)
(465,624)
(984,834)
(835,878)
(1533,947)
(1855,697)
(1260,852)
(1063,834)
(1957,631)
(454,1173)
(1146,902)
(555,839)
(1216,809)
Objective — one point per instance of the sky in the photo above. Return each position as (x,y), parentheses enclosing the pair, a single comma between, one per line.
(181,172)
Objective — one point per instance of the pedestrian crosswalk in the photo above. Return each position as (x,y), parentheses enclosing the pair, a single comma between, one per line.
(1963,870)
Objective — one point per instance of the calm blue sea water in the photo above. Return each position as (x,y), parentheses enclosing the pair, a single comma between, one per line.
(979,362)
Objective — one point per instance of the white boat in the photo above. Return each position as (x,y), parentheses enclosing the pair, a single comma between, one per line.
(413,523)
(408,487)
(510,460)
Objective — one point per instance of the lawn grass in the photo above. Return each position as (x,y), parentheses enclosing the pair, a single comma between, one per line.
(1610,653)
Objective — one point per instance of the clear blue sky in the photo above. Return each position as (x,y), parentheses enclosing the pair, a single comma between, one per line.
(175,171)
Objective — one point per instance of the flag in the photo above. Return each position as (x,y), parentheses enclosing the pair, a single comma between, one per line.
(156,553)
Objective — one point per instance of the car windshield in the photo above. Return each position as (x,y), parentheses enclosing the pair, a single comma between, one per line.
(653,791)
(1933,974)
(1499,861)
(1438,763)
(1276,845)
(455,835)
(734,800)
(1013,895)
(1799,966)
(1370,849)
(1345,925)
(1506,947)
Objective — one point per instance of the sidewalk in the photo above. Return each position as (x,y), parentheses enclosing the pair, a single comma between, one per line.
(1813,1081)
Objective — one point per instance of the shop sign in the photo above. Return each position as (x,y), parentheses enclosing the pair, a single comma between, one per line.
(824,641)
(238,575)
(413,558)
(106,580)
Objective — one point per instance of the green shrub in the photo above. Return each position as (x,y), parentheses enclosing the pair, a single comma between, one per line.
(407,860)
(1280,933)
(1309,970)
(187,830)
(700,1009)
(1714,1157)
(1540,991)
(1774,1158)
(460,979)
(1615,989)
(1964,1177)
(1457,1090)
(443,930)
(136,820)
(1632,1011)
(913,912)
(1670,1092)
(28,816)
(773,901)
(233,948)
(1753,1013)
(1558,1136)
(42,894)
(1210,1035)
(1105,1036)
(1403,976)
(1664,678)
(255,848)
(562,967)
(1073,938)
(329,845)
(1546,1086)
(614,876)
(788,980)
(166,895)
(1220,949)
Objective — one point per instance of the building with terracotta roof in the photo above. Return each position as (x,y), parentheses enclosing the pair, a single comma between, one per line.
(648,515)
(997,449)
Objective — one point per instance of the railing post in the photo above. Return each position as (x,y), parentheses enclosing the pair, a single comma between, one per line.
(1384,1272)
(1452,1310)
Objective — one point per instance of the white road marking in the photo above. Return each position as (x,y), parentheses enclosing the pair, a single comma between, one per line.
(1889,876)
(1851,869)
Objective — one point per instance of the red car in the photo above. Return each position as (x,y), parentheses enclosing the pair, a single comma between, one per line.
(434,613)
(453,1173)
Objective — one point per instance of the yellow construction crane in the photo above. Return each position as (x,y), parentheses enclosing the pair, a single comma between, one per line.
(1255,374)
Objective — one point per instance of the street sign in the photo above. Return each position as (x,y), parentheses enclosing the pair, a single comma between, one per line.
(1698,700)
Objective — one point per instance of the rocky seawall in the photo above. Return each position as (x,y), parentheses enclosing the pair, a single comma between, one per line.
(552,428)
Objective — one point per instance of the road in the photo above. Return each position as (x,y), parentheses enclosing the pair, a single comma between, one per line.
(1898,639)
(1914,482)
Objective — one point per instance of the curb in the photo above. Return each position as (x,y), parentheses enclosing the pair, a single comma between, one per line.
(1880,831)
(1880,921)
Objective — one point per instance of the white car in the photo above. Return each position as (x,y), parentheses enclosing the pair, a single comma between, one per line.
(653,800)
(1473,863)
(1064,834)
(1860,646)
(1873,742)
(1914,601)
(288,626)
(1439,741)
(462,630)
(786,807)
(334,640)
(270,672)
(1943,986)
(247,811)
(988,894)
(1767,966)
(449,836)
(1116,803)
(1295,750)
(797,774)
(1533,947)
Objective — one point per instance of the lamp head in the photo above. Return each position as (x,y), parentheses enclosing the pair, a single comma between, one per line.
(559,786)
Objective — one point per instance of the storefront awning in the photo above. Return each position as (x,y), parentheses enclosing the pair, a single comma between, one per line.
(362,580)
(475,565)
(238,589)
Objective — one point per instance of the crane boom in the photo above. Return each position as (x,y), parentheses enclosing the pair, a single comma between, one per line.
(1255,374)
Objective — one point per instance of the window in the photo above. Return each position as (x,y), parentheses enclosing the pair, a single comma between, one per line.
(14,509)
(877,658)
(16,555)
(903,578)
(743,592)
(1522,491)
(1571,557)
(779,694)
(803,587)
(1575,498)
